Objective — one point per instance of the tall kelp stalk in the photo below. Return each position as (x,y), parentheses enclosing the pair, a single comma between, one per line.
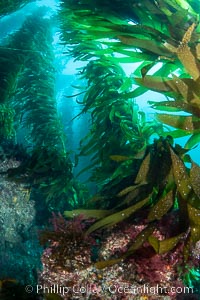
(10,67)
(29,89)
(35,98)
(9,6)
(116,125)
(148,32)
(119,132)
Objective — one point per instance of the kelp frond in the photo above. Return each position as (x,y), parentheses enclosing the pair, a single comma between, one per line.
(166,179)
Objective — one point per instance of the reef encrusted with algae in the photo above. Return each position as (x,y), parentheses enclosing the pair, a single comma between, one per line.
(145,275)
(19,247)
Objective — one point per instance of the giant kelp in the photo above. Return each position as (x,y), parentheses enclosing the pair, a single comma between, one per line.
(135,31)
(28,90)
(183,90)
(117,126)
(139,178)
(162,183)
(34,101)
(128,32)
(11,63)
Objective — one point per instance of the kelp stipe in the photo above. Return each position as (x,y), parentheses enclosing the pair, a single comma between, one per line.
(29,108)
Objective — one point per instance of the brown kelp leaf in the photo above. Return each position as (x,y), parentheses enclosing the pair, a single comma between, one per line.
(141,189)
(194,236)
(87,213)
(194,219)
(107,263)
(195,178)
(189,89)
(181,177)
(176,85)
(194,215)
(179,86)
(186,87)
(183,213)
(117,217)
(144,170)
(198,51)
(149,45)
(133,194)
(181,122)
(185,55)
(161,207)
(166,245)
(188,34)
(170,105)
(154,83)
(188,60)
(183,182)
(126,190)
(140,239)
(119,158)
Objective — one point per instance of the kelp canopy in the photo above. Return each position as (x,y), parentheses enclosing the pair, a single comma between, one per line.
(143,174)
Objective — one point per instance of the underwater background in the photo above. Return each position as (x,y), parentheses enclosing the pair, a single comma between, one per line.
(99,149)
